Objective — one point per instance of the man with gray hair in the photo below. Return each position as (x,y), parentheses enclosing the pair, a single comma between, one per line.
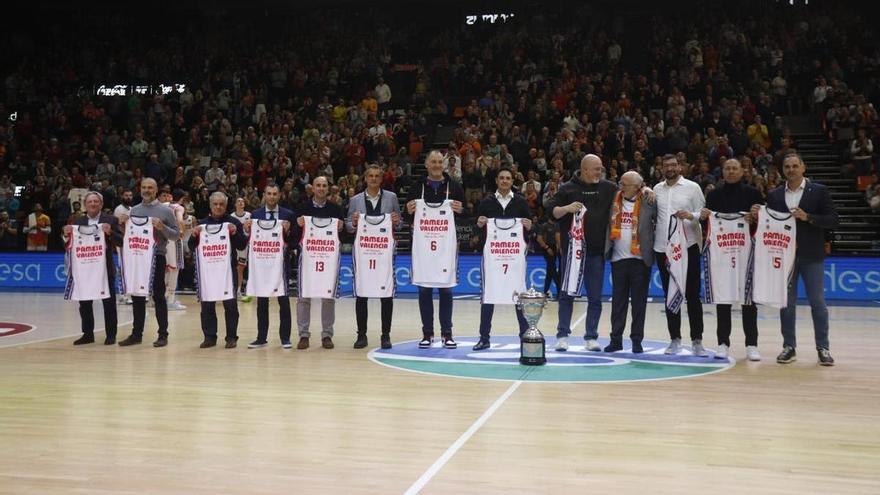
(219,216)
(630,249)
(165,229)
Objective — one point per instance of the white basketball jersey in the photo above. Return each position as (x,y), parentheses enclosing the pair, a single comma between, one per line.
(87,264)
(573,261)
(213,263)
(435,245)
(266,260)
(319,258)
(174,249)
(726,258)
(773,258)
(137,257)
(677,264)
(504,261)
(373,257)
(242,253)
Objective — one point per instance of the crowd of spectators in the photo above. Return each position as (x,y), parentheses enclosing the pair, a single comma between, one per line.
(322,93)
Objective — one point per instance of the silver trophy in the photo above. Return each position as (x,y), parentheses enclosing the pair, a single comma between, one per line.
(532,342)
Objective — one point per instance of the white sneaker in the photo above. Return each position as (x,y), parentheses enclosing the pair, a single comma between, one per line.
(722,352)
(674,347)
(562,344)
(698,350)
(752,353)
(592,345)
(128,301)
(176,306)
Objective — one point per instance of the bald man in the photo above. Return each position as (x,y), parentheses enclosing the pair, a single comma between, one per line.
(587,190)
(317,207)
(165,229)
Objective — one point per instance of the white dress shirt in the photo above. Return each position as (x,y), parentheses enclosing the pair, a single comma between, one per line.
(793,197)
(683,195)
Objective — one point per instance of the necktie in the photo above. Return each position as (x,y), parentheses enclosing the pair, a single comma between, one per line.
(271,215)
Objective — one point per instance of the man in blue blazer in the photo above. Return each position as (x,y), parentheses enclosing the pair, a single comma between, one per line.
(811,205)
(273,211)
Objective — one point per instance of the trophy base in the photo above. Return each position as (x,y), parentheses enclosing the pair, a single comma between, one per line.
(533,361)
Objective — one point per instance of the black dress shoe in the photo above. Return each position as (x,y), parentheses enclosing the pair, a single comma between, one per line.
(361,341)
(637,347)
(130,340)
(110,340)
(231,343)
(386,341)
(205,343)
(825,358)
(482,345)
(613,346)
(87,338)
(161,342)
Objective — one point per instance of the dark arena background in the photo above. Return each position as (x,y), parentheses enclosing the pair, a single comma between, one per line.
(216,119)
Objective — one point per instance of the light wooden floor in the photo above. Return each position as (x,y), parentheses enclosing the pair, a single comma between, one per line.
(181,420)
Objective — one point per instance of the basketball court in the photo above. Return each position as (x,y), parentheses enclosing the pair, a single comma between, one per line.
(96,419)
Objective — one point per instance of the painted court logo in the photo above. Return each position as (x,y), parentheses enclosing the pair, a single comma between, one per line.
(8,329)
(501,362)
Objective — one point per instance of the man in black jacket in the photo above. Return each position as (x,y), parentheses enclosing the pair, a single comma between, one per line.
(318,207)
(219,216)
(734,196)
(436,188)
(596,194)
(503,204)
(811,205)
(94,204)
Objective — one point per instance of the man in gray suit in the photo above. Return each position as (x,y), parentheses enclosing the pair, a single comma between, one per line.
(373,201)
(630,247)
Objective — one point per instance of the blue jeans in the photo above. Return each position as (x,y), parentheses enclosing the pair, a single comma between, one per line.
(813,274)
(594,275)
(426,308)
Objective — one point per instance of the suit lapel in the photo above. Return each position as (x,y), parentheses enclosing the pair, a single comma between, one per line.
(807,189)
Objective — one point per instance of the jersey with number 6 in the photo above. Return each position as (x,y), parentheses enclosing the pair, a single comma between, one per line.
(573,261)
(319,258)
(435,246)
(504,261)
(373,257)
(726,258)
(773,259)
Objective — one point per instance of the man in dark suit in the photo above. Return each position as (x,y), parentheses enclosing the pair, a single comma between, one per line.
(811,205)
(219,216)
(94,216)
(273,211)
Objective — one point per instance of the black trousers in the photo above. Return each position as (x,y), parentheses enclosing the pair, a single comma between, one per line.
(750,323)
(360,308)
(139,303)
(630,279)
(691,293)
(209,319)
(487,311)
(263,318)
(552,272)
(87,313)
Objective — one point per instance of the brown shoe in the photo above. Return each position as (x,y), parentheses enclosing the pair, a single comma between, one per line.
(231,344)
(303,343)
(327,343)
(208,342)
